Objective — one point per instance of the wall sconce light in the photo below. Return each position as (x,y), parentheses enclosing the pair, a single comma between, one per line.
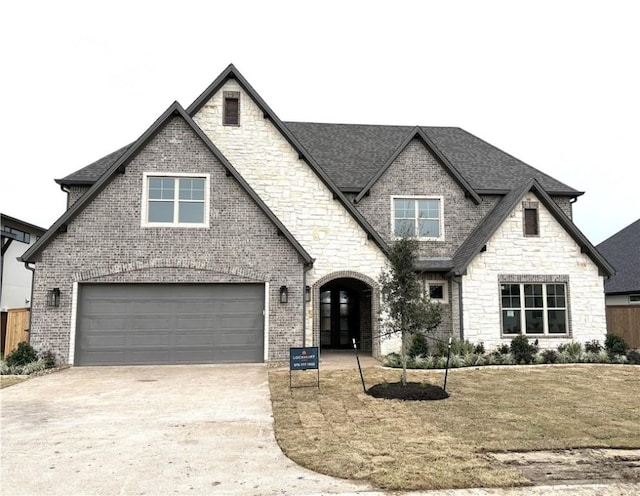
(307,293)
(53,297)
(284,294)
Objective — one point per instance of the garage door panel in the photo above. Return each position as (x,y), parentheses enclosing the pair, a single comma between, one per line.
(170,323)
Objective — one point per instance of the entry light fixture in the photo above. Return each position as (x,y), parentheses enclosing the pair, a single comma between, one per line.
(307,293)
(284,294)
(53,297)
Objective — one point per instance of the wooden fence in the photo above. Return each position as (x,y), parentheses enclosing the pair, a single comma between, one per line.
(625,321)
(17,329)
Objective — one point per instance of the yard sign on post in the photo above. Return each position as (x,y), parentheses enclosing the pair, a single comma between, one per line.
(304,359)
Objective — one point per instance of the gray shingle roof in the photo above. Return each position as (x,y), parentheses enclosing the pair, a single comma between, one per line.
(622,250)
(90,174)
(351,155)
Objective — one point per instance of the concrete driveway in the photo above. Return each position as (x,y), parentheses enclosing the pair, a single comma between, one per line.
(203,429)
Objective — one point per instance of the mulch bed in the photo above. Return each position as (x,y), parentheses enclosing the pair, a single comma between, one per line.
(413,391)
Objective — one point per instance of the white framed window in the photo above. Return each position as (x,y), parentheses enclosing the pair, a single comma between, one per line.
(175,200)
(534,308)
(634,298)
(436,290)
(417,216)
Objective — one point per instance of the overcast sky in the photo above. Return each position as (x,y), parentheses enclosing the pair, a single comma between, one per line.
(554,83)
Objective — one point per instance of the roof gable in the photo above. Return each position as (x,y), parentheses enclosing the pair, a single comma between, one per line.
(476,241)
(232,73)
(418,133)
(119,166)
(623,251)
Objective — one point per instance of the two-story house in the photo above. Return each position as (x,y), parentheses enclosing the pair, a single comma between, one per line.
(224,234)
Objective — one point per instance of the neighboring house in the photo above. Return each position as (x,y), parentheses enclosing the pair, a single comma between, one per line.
(622,290)
(224,234)
(15,278)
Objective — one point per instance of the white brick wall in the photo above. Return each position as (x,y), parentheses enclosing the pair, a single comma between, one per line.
(291,190)
(552,253)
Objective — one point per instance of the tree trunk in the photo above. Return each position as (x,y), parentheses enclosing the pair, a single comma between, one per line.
(403,355)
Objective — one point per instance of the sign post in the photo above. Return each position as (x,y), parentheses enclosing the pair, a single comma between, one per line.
(304,359)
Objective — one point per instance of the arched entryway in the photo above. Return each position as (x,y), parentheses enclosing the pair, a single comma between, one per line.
(344,310)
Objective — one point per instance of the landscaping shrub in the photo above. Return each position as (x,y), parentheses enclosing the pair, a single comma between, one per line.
(633,357)
(49,358)
(573,349)
(615,345)
(523,352)
(593,346)
(549,356)
(419,345)
(479,349)
(22,355)
(503,349)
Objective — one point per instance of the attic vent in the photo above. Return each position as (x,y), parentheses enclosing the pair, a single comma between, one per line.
(231,108)
(531,222)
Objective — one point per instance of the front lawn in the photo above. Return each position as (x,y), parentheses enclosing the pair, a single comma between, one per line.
(338,430)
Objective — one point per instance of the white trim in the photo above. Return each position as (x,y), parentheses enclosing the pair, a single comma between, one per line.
(634,302)
(72,326)
(419,197)
(266,322)
(144,202)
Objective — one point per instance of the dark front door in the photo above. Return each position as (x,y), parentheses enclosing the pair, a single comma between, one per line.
(339,317)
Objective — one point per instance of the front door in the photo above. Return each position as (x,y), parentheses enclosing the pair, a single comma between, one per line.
(339,317)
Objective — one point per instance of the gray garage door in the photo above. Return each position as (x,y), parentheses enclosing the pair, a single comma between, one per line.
(169,324)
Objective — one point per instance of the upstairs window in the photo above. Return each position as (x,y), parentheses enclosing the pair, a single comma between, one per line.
(18,235)
(231,108)
(176,201)
(418,217)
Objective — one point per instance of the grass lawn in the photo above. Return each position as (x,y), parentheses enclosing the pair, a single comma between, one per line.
(10,380)
(338,430)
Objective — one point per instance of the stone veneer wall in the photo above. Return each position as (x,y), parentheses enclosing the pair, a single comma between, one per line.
(551,256)
(106,243)
(292,191)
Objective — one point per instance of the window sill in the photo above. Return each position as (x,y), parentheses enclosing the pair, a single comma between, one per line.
(180,226)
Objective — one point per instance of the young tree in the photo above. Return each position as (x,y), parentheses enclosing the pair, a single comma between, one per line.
(406,308)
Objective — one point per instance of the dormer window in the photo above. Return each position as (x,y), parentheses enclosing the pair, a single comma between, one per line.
(231,108)
(531,224)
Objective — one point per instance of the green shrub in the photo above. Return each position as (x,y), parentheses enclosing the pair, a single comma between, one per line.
(22,355)
(479,349)
(593,346)
(522,351)
(574,350)
(549,356)
(49,358)
(503,349)
(419,346)
(633,357)
(615,345)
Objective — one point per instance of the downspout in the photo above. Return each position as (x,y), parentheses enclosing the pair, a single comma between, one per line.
(33,280)
(458,281)
(66,189)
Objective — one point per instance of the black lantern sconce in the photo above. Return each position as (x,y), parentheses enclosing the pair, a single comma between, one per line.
(284,294)
(307,293)
(53,297)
